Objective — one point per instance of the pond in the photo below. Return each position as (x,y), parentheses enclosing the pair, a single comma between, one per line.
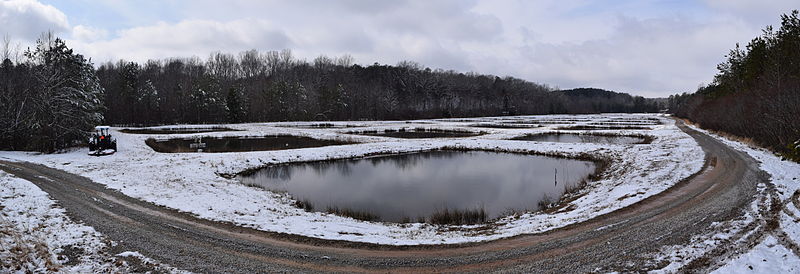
(419,187)
(617,127)
(237,144)
(583,138)
(419,133)
(173,130)
(509,125)
(320,125)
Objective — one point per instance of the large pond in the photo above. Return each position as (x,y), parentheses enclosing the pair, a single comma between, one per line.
(582,138)
(416,187)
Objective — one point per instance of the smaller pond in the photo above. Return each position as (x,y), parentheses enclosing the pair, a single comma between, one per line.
(606,127)
(320,125)
(173,130)
(510,125)
(418,133)
(423,187)
(582,138)
(237,144)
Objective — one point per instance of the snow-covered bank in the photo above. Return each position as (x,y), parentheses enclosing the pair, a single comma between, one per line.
(37,237)
(769,255)
(191,182)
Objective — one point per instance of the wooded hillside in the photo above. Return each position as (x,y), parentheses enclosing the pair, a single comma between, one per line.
(756,93)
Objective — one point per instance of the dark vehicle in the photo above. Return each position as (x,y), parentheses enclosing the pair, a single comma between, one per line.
(101,142)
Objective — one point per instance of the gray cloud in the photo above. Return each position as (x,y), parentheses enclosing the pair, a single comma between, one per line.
(649,48)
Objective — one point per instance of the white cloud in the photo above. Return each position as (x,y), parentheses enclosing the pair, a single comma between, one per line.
(87,33)
(756,11)
(186,38)
(26,20)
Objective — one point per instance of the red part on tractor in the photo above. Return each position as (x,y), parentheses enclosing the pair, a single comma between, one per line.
(101,142)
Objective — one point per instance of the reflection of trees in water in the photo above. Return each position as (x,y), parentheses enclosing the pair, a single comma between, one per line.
(345,167)
(571,173)
(410,160)
(280,172)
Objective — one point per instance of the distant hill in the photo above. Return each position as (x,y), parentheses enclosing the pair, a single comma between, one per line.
(595,100)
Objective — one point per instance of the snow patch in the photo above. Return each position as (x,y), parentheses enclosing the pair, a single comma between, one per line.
(191,182)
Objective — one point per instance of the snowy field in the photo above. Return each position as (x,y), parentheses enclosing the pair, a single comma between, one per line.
(37,237)
(192,182)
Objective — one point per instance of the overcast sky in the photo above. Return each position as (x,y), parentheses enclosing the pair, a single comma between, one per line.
(645,47)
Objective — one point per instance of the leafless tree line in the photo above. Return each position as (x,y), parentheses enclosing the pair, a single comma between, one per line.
(275,86)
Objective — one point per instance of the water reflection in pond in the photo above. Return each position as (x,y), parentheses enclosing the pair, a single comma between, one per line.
(581,138)
(413,186)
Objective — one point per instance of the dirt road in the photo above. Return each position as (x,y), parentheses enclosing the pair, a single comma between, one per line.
(608,242)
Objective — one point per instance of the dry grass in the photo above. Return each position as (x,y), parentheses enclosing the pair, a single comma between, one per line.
(352,213)
(25,251)
(458,217)
(304,204)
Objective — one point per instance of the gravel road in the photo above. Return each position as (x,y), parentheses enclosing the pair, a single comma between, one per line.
(613,241)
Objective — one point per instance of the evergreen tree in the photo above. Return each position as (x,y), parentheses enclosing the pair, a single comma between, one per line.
(66,101)
(234,105)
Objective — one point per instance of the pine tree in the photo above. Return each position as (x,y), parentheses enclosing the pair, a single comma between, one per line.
(66,98)
(234,105)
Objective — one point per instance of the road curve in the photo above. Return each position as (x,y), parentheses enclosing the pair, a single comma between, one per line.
(721,191)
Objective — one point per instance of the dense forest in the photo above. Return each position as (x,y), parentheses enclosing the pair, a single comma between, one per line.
(58,95)
(594,100)
(274,86)
(50,101)
(756,93)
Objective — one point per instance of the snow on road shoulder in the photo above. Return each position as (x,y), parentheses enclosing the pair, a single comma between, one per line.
(766,257)
(191,182)
(37,236)
(769,256)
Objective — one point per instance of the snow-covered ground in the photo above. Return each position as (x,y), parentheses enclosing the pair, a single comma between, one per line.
(192,182)
(769,255)
(37,237)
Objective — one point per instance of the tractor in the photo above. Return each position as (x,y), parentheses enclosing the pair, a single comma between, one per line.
(101,142)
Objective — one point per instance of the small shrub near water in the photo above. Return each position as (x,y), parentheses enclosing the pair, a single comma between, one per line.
(352,213)
(304,204)
(793,153)
(458,217)
(546,202)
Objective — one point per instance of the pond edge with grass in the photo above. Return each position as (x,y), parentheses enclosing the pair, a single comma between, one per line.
(449,216)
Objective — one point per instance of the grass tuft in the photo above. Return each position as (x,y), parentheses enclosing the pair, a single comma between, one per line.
(458,217)
(352,213)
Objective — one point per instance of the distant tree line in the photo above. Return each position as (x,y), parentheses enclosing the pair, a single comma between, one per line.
(594,100)
(57,96)
(756,93)
(274,86)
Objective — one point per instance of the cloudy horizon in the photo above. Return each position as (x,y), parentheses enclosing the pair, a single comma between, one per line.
(649,48)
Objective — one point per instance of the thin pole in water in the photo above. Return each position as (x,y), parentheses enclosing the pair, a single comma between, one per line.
(555,176)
